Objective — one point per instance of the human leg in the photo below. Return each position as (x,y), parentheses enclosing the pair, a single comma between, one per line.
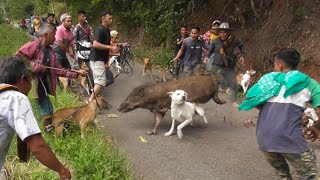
(304,163)
(187,71)
(46,110)
(99,77)
(278,162)
(230,77)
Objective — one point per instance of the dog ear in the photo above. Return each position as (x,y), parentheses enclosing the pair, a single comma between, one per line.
(170,93)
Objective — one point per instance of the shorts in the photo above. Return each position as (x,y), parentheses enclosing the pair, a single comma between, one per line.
(99,72)
(45,105)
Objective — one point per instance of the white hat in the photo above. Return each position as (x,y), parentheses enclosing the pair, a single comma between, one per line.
(114,33)
(216,22)
(224,27)
(63,16)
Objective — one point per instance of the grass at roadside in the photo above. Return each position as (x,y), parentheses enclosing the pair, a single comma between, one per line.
(88,158)
(11,40)
(159,57)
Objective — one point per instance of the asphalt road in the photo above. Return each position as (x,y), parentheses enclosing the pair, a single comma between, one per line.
(222,149)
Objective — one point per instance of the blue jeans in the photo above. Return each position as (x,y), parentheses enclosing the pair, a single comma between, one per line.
(45,106)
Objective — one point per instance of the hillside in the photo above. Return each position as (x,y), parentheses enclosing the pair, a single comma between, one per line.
(280,24)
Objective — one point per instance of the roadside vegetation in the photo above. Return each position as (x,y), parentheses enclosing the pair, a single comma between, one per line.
(90,158)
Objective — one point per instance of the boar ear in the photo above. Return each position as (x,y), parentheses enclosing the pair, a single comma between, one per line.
(141,92)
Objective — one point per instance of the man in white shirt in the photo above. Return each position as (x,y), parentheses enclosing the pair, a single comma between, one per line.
(16,116)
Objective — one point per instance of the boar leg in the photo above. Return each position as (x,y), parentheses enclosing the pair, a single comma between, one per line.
(217,99)
(157,119)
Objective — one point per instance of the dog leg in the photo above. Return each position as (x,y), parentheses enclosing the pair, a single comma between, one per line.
(57,123)
(143,72)
(169,133)
(82,128)
(200,112)
(244,87)
(157,119)
(151,73)
(181,126)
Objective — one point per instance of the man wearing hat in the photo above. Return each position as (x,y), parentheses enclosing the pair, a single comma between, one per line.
(64,41)
(225,60)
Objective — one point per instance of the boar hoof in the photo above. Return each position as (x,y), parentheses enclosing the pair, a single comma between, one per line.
(151,132)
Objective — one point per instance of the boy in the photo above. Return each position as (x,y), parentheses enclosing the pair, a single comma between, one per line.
(281,98)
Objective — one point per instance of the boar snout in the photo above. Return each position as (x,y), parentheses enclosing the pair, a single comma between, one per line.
(124,107)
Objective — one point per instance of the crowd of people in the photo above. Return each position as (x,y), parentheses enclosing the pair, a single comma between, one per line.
(280,96)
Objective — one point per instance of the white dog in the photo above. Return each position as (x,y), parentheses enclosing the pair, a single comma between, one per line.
(312,116)
(244,79)
(112,60)
(183,112)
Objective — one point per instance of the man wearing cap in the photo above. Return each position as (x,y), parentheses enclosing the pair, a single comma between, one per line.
(212,35)
(224,58)
(99,53)
(64,41)
(192,49)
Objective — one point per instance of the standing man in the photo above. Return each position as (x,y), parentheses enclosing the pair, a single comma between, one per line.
(100,52)
(36,23)
(179,39)
(82,31)
(17,116)
(282,96)
(192,48)
(214,34)
(50,19)
(64,41)
(225,60)
(40,55)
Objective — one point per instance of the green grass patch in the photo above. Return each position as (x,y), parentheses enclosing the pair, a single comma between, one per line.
(11,40)
(88,158)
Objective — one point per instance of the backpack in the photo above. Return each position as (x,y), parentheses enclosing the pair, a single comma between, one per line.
(22,147)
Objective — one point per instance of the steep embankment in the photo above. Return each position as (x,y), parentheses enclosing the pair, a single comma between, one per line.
(279,24)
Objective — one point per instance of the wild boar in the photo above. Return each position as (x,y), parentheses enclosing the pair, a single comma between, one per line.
(200,89)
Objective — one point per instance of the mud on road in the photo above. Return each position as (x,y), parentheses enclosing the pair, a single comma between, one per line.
(222,149)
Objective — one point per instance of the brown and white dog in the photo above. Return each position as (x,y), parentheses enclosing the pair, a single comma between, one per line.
(147,65)
(83,115)
(81,80)
(244,79)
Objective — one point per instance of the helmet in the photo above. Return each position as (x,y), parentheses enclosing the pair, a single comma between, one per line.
(114,33)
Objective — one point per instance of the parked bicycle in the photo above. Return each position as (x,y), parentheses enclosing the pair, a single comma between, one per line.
(124,61)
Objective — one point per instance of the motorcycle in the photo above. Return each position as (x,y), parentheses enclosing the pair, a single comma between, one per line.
(83,50)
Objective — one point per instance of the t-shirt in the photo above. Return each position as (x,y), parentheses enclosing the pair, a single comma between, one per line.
(279,123)
(36,24)
(15,116)
(101,35)
(82,32)
(193,51)
(66,36)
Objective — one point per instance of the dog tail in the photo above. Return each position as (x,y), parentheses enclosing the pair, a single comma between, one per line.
(200,112)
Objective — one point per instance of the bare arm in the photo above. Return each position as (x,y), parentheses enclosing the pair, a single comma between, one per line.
(41,150)
(178,55)
(98,45)
(63,47)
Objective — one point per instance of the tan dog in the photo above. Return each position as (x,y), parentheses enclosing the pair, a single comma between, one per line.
(81,80)
(147,65)
(83,116)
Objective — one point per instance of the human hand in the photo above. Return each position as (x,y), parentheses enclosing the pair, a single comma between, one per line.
(241,60)
(43,68)
(82,72)
(64,174)
(205,60)
(311,133)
